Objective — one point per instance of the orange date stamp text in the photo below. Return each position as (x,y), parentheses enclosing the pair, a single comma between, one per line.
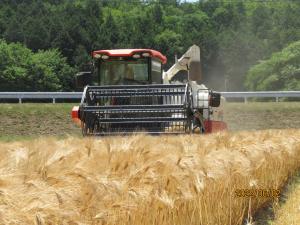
(257,193)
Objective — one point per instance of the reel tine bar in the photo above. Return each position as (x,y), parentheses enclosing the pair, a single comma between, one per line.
(136,108)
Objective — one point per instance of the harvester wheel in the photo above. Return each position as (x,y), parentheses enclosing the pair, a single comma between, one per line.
(84,129)
(198,122)
(96,126)
(92,129)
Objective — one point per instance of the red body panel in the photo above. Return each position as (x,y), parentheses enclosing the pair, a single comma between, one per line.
(75,114)
(212,126)
(130,52)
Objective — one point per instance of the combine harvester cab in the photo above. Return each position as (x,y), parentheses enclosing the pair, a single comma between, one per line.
(128,92)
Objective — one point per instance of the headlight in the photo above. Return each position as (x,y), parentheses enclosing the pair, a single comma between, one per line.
(136,56)
(97,56)
(146,54)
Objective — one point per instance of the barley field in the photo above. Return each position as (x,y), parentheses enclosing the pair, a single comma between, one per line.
(163,180)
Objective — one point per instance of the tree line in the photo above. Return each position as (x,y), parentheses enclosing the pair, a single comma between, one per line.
(234,36)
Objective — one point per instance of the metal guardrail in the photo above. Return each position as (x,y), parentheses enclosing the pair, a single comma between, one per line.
(261,94)
(40,95)
(77,95)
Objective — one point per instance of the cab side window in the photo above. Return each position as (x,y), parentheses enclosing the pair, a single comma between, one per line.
(95,78)
(156,71)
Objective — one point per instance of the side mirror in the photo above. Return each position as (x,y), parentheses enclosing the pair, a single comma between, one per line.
(215,99)
(82,79)
(195,71)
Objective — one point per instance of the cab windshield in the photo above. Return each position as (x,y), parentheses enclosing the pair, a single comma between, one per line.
(116,72)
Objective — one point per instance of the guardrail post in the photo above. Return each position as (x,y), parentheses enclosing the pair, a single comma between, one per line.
(245,100)
(53,100)
(277,99)
(20,100)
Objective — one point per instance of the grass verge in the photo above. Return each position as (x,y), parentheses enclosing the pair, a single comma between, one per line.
(262,115)
(28,121)
(289,211)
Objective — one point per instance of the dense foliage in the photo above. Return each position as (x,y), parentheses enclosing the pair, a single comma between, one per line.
(233,35)
(280,72)
(23,70)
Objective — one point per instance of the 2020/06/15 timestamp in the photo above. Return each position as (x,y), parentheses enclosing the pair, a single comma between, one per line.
(257,193)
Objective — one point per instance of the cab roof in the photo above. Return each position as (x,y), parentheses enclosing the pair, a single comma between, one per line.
(130,52)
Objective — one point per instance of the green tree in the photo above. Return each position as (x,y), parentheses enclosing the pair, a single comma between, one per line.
(280,72)
(14,59)
(23,70)
(233,35)
(50,72)
(170,42)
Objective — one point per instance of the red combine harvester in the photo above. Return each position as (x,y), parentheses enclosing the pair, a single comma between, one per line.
(128,92)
